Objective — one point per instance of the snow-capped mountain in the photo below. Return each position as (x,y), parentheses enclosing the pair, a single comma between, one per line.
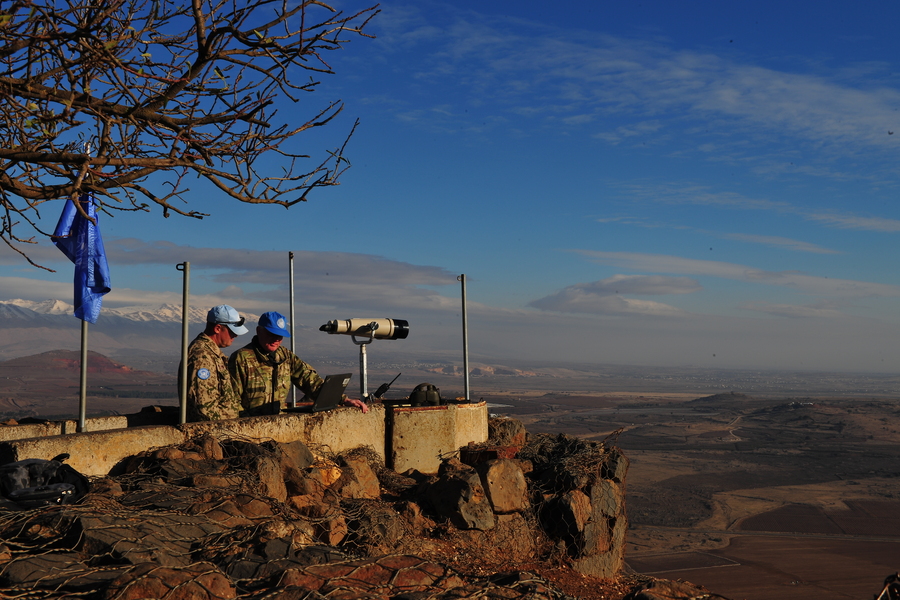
(45,307)
(165,313)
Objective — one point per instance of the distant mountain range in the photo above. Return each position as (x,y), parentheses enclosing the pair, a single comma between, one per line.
(164,313)
(147,337)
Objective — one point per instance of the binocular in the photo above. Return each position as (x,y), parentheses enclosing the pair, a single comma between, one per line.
(384,329)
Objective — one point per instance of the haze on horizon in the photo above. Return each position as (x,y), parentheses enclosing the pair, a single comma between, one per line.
(702,185)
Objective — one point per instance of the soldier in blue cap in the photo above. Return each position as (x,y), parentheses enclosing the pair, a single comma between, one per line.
(263,371)
(210,395)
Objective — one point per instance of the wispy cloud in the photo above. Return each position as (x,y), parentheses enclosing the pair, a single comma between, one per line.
(574,77)
(800,282)
(793,311)
(703,195)
(778,242)
(257,266)
(856,222)
(607,296)
(249,277)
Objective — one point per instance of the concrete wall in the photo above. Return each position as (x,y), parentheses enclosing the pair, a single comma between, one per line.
(32,430)
(420,436)
(96,452)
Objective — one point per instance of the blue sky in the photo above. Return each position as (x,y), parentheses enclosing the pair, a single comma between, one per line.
(653,183)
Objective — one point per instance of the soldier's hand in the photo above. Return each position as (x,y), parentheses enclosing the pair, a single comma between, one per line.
(357,403)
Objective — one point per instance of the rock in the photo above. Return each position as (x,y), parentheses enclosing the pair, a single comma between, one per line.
(199,581)
(49,571)
(357,479)
(607,498)
(214,481)
(181,471)
(293,458)
(168,453)
(224,512)
(458,496)
(505,486)
(385,577)
(565,517)
(210,448)
(106,486)
(271,481)
(616,466)
(162,538)
(324,472)
(252,506)
(416,521)
(604,564)
(296,454)
(454,465)
(372,526)
(664,589)
(504,431)
(331,530)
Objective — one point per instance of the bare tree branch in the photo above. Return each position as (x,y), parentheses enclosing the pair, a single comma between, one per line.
(160,86)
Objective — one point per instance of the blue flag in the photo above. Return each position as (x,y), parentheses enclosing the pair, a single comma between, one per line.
(79,239)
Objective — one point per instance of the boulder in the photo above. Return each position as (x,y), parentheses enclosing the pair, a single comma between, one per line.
(607,498)
(505,431)
(161,538)
(199,581)
(374,528)
(505,486)
(52,570)
(615,467)
(271,480)
(357,479)
(665,589)
(458,496)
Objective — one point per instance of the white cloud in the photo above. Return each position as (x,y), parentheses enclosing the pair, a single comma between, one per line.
(778,242)
(793,311)
(577,78)
(809,284)
(856,222)
(607,296)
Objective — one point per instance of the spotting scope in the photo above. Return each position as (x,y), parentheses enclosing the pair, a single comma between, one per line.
(384,329)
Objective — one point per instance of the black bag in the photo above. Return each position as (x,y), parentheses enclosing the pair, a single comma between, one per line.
(37,482)
(425,394)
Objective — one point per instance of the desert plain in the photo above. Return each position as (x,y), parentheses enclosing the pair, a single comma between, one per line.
(754,485)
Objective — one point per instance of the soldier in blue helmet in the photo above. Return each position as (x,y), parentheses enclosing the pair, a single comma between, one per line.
(263,371)
(210,394)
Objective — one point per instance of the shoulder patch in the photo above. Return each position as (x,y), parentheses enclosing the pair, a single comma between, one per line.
(203,373)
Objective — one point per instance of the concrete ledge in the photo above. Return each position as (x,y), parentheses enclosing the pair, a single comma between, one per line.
(418,435)
(92,453)
(32,430)
(333,431)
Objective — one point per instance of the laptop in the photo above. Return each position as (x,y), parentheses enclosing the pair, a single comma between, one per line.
(329,395)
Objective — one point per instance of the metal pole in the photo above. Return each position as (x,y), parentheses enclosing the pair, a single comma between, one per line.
(465,333)
(185,267)
(82,402)
(363,373)
(291,321)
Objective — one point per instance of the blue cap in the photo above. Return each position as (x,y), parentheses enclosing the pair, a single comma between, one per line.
(274,323)
(226,315)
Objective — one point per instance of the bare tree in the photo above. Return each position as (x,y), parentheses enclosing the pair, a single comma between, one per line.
(97,96)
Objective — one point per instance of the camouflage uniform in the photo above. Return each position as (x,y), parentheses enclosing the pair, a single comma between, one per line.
(262,381)
(210,395)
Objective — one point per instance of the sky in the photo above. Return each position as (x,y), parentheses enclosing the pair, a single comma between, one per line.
(692,184)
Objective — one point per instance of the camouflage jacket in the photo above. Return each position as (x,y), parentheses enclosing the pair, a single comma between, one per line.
(210,395)
(262,381)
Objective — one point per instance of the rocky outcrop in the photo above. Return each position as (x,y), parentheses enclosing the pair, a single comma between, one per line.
(226,518)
